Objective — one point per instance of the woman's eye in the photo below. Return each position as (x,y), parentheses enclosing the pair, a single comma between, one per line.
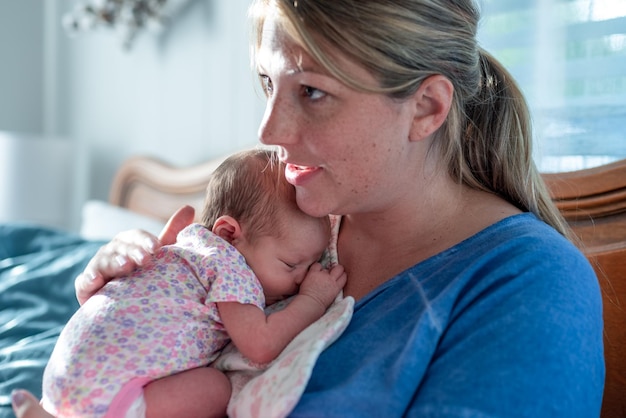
(313,93)
(266,84)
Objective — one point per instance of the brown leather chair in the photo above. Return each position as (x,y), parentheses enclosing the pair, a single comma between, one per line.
(593,202)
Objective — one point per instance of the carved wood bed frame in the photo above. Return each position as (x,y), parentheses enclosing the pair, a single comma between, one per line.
(593,202)
(154,188)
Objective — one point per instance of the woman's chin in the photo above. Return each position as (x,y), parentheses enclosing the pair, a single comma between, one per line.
(312,205)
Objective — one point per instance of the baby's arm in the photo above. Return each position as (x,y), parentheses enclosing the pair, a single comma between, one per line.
(261,338)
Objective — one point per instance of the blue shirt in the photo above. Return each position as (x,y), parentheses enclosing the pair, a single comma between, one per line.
(507,323)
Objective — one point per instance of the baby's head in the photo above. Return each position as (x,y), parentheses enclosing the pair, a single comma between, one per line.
(250,204)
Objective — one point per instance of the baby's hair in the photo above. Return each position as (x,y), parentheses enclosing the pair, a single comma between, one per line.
(250,186)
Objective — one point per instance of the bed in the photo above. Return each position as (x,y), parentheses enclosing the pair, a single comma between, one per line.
(38,265)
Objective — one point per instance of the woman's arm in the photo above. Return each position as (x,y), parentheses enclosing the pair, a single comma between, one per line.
(261,338)
(126,252)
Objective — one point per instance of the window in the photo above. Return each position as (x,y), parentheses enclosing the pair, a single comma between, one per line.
(569,58)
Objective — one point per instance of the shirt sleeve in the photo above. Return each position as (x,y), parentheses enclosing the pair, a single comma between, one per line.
(524,347)
(236,282)
(220,267)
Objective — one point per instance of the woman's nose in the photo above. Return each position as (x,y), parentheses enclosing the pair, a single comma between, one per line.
(279,126)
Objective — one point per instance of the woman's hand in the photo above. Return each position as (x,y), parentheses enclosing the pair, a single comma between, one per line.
(126,252)
(25,405)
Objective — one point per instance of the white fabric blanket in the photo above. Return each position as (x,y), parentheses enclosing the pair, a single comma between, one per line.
(273,390)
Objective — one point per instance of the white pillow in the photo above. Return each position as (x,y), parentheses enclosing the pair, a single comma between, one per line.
(102,221)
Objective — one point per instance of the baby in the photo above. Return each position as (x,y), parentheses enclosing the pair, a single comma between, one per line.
(141,346)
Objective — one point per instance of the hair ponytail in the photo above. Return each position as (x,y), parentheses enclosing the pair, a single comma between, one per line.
(496,144)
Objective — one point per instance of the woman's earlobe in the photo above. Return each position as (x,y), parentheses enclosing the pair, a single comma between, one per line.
(227,228)
(433,100)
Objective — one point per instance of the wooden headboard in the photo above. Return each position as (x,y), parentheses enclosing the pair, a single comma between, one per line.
(154,188)
(593,202)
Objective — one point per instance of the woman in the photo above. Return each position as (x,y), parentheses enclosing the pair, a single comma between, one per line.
(470,299)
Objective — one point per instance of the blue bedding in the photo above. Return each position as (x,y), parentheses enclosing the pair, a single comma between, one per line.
(37,270)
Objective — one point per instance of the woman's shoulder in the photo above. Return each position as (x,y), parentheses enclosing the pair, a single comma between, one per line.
(518,237)
(519,254)
(522,224)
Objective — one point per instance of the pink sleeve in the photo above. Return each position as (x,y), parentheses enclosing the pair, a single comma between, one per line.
(220,267)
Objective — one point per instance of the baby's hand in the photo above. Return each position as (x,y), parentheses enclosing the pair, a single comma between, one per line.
(323,285)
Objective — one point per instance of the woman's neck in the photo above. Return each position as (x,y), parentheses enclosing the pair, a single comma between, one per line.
(375,247)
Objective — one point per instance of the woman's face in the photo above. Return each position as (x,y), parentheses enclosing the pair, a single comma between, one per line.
(346,151)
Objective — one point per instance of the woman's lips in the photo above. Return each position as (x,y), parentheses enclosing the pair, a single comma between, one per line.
(298,174)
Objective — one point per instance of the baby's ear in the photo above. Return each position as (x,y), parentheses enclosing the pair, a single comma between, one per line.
(227,228)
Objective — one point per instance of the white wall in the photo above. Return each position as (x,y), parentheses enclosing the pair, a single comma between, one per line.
(184,95)
(21,65)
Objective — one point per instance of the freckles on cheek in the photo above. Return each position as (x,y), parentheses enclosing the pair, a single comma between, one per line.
(360,184)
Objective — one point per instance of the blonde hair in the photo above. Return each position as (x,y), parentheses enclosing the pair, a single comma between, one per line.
(250,186)
(486,140)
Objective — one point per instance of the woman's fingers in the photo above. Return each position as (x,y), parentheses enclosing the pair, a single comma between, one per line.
(25,405)
(179,220)
(126,252)
(119,257)
(86,284)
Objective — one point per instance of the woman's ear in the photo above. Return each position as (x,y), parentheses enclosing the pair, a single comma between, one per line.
(433,100)
(227,228)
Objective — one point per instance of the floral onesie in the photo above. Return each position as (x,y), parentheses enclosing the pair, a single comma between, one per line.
(160,320)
